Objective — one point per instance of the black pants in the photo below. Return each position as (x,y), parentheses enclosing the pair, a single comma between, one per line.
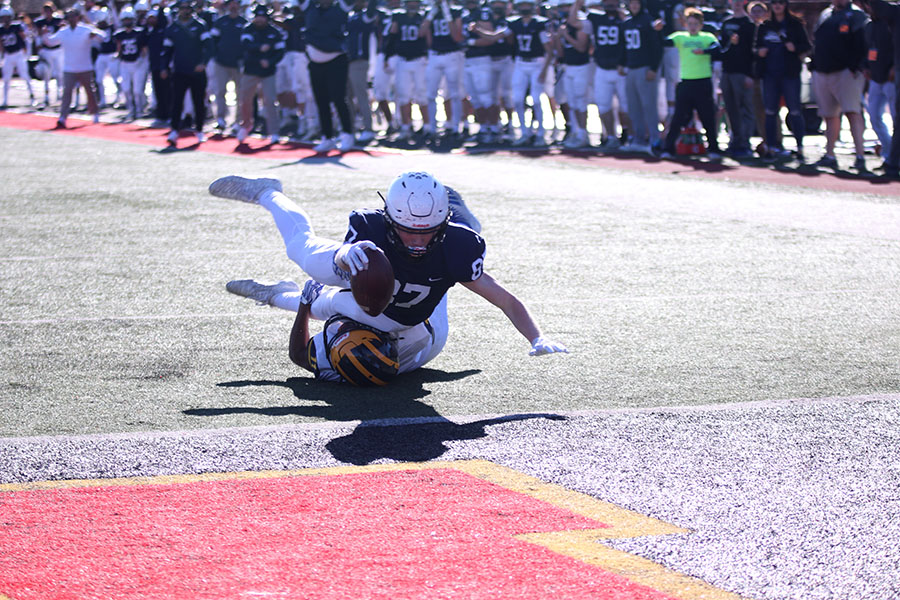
(691,95)
(162,92)
(329,85)
(196,83)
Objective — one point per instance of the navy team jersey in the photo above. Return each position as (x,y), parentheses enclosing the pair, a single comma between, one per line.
(571,56)
(441,40)
(132,42)
(419,284)
(480,14)
(11,38)
(608,38)
(527,36)
(410,44)
(107,43)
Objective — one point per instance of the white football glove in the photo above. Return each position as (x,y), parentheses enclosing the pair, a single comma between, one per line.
(311,291)
(354,255)
(540,346)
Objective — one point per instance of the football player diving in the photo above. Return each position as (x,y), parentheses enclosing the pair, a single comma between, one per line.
(431,240)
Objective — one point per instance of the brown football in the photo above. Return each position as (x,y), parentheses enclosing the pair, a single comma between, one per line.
(373,288)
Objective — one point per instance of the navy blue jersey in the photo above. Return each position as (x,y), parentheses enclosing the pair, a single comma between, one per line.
(501,47)
(527,42)
(421,283)
(253,39)
(48,25)
(608,38)
(570,55)
(479,14)
(441,40)
(107,42)
(131,42)
(12,37)
(409,44)
(226,35)
(643,45)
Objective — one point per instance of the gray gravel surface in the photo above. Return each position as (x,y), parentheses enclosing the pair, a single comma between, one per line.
(797,499)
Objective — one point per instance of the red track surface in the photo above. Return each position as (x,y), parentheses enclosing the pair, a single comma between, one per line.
(136,134)
(404,534)
(807,178)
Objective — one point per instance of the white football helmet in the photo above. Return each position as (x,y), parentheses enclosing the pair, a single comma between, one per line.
(417,203)
(127,14)
(6,11)
(141,7)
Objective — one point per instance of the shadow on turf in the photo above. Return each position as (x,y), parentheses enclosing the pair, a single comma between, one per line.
(386,430)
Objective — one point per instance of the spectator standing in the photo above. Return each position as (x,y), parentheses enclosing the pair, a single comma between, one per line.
(890,13)
(263,46)
(226,64)
(443,32)
(155,29)
(12,39)
(606,32)
(640,60)
(50,22)
(187,47)
(76,41)
(574,50)
(695,90)
(530,37)
(360,29)
(781,43)
(880,73)
(131,43)
(736,38)
(410,45)
(839,59)
(326,31)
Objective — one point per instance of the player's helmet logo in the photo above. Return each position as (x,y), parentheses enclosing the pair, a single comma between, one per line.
(416,203)
(362,355)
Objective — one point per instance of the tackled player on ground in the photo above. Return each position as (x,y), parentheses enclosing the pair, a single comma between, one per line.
(432,242)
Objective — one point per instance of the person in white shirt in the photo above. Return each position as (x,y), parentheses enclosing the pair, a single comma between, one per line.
(78,69)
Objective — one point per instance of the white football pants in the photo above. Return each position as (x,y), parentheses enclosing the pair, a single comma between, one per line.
(525,82)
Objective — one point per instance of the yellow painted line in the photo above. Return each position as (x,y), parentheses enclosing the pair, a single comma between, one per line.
(583,545)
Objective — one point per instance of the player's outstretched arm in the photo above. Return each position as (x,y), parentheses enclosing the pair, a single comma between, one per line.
(299,344)
(488,288)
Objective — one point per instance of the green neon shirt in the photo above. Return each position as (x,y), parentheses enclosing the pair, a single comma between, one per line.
(694,66)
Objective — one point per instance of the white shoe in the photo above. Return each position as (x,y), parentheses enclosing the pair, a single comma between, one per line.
(275,139)
(262,293)
(172,138)
(241,135)
(326,145)
(242,188)
(201,137)
(346,141)
(458,207)
(366,136)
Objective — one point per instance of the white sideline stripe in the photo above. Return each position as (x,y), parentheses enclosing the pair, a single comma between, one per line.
(592,301)
(455,419)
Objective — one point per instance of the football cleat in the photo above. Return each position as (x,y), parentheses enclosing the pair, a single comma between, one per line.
(460,213)
(326,145)
(172,138)
(242,188)
(261,293)
(346,141)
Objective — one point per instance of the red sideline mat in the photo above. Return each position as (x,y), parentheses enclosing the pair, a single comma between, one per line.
(469,529)
(138,134)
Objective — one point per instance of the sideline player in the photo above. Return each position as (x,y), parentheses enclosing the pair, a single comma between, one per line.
(431,240)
